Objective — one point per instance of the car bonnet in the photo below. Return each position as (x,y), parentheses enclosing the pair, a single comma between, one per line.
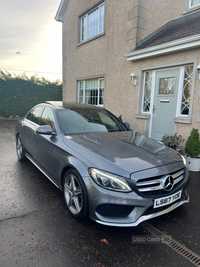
(122,152)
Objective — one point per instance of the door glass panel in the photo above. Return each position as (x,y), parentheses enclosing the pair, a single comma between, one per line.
(147,91)
(166,86)
(185,105)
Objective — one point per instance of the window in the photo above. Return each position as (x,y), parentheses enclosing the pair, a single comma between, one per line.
(92,23)
(190,5)
(186,91)
(47,118)
(91,92)
(147,91)
(166,86)
(35,115)
(194,3)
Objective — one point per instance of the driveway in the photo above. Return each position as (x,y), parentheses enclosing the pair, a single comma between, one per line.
(36,229)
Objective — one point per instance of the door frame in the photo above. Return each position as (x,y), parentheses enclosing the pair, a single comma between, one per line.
(146,117)
(179,93)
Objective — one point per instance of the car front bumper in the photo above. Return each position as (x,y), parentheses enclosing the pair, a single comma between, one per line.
(144,217)
(127,209)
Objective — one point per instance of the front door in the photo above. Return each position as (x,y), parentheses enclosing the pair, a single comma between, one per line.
(165,103)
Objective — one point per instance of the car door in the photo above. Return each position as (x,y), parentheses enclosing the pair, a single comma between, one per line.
(28,127)
(44,144)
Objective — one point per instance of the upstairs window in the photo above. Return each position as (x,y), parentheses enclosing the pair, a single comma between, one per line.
(92,23)
(194,3)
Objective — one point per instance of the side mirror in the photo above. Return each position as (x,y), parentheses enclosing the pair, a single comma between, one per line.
(44,129)
(127,125)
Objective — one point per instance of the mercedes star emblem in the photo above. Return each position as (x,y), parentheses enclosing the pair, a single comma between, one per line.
(168,183)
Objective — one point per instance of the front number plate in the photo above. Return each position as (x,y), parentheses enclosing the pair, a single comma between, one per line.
(163,201)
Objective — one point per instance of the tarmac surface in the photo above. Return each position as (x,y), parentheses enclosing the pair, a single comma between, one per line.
(37,231)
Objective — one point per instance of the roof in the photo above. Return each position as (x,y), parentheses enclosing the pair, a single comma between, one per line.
(61,10)
(173,30)
(176,35)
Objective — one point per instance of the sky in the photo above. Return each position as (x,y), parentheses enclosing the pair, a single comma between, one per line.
(30,38)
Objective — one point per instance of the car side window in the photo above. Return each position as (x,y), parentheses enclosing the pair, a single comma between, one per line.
(29,115)
(47,118)
(35,115)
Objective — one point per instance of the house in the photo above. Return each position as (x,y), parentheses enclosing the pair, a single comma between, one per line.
(136,58)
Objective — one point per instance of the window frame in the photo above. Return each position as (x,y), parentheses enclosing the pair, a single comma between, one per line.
(188,7)
(84,82)
(86,14)
(144,89)
(193,6)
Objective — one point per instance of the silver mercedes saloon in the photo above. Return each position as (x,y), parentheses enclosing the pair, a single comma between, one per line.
(106,171)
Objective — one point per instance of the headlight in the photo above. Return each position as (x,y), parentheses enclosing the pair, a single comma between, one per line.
(109,181)
(184,160)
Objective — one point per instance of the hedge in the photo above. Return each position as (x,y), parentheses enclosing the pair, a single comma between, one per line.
(19,94)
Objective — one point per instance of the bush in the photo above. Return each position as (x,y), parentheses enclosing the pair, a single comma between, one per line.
(172,141)
(192,147)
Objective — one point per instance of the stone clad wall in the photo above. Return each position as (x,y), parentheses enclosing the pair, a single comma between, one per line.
(126,23)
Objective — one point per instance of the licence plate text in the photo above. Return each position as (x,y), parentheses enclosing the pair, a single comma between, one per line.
(163,201)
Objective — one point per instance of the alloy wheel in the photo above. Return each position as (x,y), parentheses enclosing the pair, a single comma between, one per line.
(73,194)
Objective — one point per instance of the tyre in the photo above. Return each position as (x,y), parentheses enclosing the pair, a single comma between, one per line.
(75,194)
(20,149)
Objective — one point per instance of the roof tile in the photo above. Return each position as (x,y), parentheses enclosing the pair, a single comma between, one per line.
(173,30)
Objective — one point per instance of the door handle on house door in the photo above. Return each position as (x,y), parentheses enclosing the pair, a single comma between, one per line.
(154,108)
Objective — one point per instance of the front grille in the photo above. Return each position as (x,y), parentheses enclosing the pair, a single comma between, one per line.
(152,186)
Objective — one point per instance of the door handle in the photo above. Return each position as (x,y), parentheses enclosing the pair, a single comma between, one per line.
(154,108)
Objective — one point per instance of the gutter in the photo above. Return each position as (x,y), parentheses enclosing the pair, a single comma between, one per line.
(61,10)
(166,48)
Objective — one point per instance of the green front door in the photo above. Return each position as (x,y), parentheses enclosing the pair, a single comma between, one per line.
(165,103)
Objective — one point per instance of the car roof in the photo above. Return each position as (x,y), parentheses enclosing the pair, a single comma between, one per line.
(70,105)
(55,103)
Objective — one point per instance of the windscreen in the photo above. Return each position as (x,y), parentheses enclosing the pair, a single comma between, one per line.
(86,120)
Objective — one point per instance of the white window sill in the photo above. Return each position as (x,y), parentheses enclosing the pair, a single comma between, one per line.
(91,39)
(185,120)
(144,116)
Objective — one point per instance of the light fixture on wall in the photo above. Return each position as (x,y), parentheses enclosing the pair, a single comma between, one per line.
(134,81)
(198,71)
